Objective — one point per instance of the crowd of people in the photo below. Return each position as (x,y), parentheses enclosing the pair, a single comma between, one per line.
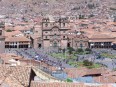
(39,55)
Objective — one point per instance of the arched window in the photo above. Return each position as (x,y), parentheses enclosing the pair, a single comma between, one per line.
(63,24)
(81,45)
(55,44)
(55,36)
(46,25)
(68,45)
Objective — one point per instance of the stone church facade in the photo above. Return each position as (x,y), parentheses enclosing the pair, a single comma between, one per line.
(57,34)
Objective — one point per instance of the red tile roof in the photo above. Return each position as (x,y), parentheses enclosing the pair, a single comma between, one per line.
(18,76)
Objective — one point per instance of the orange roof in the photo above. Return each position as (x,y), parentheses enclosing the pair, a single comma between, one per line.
(22,27)
(66,84)
(35,36)
(74,72)
(19,27)
(9,56)
(13,33)
(14,76)
(101,40)
(99,35)
(16,39)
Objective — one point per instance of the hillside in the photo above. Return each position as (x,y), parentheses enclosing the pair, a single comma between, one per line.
(96,8)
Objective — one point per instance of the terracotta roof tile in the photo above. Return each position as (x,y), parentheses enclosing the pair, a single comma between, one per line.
(65,84)
(16,39)
(18,76)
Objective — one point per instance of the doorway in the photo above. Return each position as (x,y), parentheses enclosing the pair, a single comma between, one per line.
(39,45)
(68,45)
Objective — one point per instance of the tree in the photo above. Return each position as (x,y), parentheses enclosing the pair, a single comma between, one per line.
(88,50)
(8,30)
(80,50)
(70,50)
(59,50)
(69,80)
(87,63)
(63,50)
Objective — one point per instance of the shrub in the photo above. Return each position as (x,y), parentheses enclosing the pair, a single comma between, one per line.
(63,50)
(70,50)
(88,49)
(69,80)
(79,50)
(8,30)
(87,63)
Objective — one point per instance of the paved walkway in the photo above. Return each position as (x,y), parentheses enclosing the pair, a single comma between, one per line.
(40,55)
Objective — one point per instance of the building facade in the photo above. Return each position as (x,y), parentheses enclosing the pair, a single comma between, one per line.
(17,42)
(58,34)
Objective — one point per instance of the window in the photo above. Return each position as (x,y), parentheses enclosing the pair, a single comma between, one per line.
(55,36)
(46,37)
(46,25)
(63,24)
(6,42)
(55,44)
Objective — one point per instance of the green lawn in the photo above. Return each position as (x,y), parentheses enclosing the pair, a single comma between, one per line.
(80,64)
(72,61)
(107,55)
(59,55)
(94,66)
(63,56)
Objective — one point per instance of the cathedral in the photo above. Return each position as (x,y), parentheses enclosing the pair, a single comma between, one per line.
(58,34)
